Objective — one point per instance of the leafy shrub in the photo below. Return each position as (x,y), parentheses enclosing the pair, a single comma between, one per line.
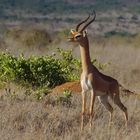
(38,71)
(70,64)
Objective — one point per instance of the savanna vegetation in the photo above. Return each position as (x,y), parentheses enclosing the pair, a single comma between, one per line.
(38,67)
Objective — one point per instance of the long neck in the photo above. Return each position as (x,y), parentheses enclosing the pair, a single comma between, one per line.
(85,56)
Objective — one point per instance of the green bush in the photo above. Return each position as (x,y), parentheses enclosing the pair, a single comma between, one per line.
(39,71)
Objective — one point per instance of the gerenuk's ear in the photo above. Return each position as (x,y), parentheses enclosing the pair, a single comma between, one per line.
(72,31)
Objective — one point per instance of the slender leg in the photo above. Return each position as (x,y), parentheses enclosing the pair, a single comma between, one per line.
(83,108)
(118,102)
(104,101)
(92,100)
(123,108)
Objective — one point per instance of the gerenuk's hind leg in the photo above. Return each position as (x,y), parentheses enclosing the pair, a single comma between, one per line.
(117,101)
(106,104)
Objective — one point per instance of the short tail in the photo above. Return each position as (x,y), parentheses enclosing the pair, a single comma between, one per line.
(128,92)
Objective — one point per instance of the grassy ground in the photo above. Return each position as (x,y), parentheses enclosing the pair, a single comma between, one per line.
(23,117)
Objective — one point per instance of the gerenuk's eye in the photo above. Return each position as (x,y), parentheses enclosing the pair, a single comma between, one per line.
(78,37)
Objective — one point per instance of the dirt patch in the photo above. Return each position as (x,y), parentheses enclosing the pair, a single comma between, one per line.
(75,87)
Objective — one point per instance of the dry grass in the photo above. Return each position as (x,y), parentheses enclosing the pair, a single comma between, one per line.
(25,118)
(22,117)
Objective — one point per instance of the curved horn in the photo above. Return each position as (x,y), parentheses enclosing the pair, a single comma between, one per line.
(89,21)
(77,27)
